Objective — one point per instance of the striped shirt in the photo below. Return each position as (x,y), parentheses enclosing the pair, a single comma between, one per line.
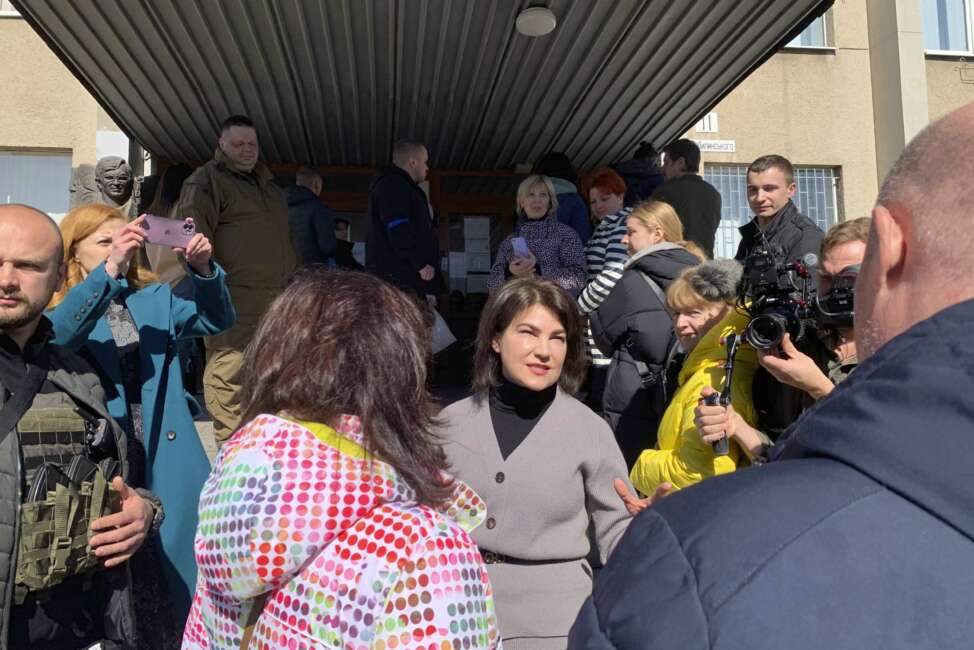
(605,255)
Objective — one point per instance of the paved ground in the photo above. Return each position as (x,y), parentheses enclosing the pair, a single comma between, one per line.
(205,429)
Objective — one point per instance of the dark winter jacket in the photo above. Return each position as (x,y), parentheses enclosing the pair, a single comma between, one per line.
(312,226)
(697,203)
(632,324)
(70,374)
(642,176)
(860,536)
(401,240)
(794,233)
(344,257)
(572,209)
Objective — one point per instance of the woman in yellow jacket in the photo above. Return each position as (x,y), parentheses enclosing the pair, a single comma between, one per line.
(702,301)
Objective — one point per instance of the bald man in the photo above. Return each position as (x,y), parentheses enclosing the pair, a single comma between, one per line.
(52,409)
(861,534)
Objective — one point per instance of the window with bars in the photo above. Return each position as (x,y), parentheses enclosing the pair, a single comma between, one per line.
(817,196)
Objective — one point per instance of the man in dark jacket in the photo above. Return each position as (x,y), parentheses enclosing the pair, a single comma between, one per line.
(792,236)
(695,200)
(770,186)
(312,223)
(861,534)
(401,245)
(61,398)
(237,205)
(642,173)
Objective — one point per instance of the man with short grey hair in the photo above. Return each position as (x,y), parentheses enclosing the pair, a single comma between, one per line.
(860,534)
(312,223)
(401,244)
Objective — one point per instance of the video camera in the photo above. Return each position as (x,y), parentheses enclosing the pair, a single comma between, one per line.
(779,296)
(835,308)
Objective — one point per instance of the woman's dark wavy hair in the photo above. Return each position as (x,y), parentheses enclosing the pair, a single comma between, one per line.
(343,342)
(503,307)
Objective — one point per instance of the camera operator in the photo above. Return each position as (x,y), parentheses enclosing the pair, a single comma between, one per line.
(842,251)
(770,186)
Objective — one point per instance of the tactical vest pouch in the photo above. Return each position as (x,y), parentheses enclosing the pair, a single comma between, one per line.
(56,519)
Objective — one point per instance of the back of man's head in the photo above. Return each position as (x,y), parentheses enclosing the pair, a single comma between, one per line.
(773,161)
(404,150)
(918,259)
(645,150)
(688,151)
(931,182)
(308,177)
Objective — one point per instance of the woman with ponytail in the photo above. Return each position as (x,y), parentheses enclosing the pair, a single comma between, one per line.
(633,328)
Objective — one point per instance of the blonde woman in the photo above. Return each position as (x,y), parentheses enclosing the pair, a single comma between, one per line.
(702,302)
(551,250)
(633,328)
(125,323)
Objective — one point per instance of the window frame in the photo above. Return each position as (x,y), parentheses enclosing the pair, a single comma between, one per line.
(828,36)
(968,32)
(744,215)
(8,13)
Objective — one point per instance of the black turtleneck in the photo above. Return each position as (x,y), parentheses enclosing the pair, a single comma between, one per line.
(514,410)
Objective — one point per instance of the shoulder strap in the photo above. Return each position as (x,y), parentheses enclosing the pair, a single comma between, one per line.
(255,611)
(655,288)
(21,400)
(646,374)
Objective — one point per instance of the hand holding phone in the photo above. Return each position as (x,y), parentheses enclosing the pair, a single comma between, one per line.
(520,246)
(168,232)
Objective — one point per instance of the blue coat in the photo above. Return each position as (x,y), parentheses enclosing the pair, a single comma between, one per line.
(859,535)
(176,466)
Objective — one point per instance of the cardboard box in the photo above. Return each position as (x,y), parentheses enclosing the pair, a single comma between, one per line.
(476,227)
(476,245)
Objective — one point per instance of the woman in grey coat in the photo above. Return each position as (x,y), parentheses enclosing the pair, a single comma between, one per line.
(543,462)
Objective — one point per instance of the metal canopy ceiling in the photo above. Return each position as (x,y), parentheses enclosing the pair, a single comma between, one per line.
(335,82)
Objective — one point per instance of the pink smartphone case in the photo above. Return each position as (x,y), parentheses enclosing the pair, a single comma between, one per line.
(167,232)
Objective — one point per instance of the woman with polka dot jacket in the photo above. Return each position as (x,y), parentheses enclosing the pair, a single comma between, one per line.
(328,520)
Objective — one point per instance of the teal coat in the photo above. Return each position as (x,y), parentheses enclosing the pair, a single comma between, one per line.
(176,464)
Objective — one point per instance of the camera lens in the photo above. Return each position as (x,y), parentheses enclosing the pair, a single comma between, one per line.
(766,330)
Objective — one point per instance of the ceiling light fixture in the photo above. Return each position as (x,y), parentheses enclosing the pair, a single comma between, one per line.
(536,21)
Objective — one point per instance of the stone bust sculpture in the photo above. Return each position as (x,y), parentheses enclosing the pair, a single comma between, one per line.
(110,182)
(113,178)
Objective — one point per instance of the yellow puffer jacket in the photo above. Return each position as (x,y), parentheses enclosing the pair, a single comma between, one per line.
(682,458)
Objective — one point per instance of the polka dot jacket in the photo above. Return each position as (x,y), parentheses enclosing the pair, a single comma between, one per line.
(301,511)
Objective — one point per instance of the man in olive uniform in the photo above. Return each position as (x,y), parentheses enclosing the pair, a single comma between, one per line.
(52,413)
(235,203)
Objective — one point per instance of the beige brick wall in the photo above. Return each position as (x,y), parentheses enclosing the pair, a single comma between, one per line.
(950,85)
(814,108)
(42,105)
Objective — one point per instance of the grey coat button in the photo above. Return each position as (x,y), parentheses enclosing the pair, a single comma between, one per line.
(490,523)
(170,435)
(500,477)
